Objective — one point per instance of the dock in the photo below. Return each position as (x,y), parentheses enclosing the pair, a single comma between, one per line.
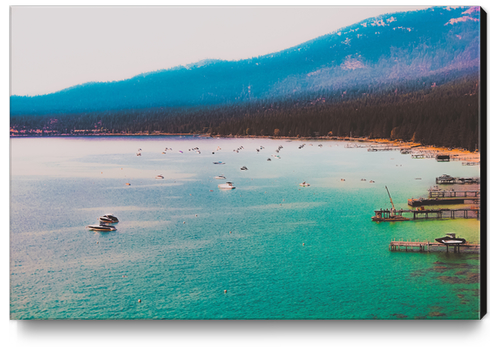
(435,193)
(446,197)
(440,213)
(441,201)
(445,179)
(428,246)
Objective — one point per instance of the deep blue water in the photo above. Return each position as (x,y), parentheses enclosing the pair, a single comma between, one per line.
(247,241)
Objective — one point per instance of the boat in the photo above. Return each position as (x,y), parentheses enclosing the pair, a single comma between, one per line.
(227,185)
(393,217)
(269,159)
(220,177)
(101,227)
(218,162)
(451,239)
(109,218)
(159,177)
(304,184)
(243,168)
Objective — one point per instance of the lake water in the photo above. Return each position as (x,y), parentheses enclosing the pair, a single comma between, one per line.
(181,241)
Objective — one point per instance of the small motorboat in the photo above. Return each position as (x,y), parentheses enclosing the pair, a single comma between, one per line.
(101,227)
(220,177)
(243,168)
(269,159)
(159,177)
(304,184)
(109,218)
(451,239)
(227,185)
(218,162)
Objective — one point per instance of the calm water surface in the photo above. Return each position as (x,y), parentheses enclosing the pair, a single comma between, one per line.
(181,241)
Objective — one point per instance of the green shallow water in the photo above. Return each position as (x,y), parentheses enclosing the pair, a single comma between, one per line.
(248,241)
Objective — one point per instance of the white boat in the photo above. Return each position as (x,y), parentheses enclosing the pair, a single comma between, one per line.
(159,177)
(227,185)
(451,239)
(304,184)
(220,177)
(101,227)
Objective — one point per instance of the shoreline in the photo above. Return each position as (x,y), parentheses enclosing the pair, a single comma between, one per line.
(387,142)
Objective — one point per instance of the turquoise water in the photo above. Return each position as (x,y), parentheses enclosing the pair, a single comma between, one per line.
(247,241)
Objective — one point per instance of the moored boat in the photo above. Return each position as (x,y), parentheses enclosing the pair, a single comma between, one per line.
(451,239)
(101,227)
(109,218)
(227,185)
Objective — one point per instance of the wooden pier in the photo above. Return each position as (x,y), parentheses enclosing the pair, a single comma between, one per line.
(428,246)
(445,179)
(435,193)
(441,201)
(439,213)
(447,197)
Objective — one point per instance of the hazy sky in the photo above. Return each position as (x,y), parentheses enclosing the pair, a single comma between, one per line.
(53,48)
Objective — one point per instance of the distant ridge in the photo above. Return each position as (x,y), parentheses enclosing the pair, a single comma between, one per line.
(389,48)
(412,76)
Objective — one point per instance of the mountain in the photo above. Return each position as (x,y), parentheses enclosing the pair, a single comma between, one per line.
(408,50)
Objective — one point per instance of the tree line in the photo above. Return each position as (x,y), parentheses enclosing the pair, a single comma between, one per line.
(420,111)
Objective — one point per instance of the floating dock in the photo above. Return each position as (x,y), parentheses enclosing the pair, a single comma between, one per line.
(427,246)
(439,213)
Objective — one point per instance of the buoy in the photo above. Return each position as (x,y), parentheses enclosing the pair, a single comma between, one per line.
(139,300)
(225,291)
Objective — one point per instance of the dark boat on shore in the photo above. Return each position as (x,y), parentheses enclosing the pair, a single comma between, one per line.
(451,239)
